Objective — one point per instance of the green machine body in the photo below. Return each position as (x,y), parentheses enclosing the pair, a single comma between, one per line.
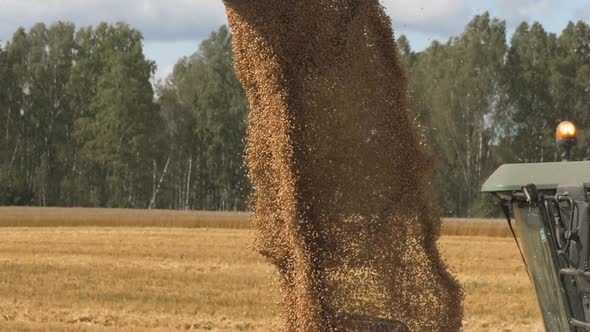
(546,205)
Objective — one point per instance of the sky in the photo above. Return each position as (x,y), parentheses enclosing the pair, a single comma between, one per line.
(174,28)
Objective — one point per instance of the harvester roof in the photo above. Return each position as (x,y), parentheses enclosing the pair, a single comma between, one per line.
(513,177)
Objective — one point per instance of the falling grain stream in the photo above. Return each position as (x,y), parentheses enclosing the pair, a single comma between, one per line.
(343,202)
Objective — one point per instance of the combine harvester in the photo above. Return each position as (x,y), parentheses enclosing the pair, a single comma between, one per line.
(549,202)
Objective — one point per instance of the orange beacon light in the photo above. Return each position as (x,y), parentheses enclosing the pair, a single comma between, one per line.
(567,137)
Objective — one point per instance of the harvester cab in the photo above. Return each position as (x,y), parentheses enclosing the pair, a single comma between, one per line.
(549,205)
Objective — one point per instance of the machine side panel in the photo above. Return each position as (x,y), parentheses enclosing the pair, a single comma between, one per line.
(541,268)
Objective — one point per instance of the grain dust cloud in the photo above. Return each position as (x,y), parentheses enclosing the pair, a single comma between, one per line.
(341,171)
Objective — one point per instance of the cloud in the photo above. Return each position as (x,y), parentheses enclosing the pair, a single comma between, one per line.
(174,20)
(158,20)
(516,11)
(166,24)
(439,17)
(583,13)
(192,20)
(534,8)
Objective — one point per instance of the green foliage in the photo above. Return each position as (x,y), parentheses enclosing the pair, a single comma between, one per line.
(205,106)
(456,88)
(530,102)
(77,109)
(81,124)
(117,136)
(14,195)
(484,103)
(486,206)
(15,192)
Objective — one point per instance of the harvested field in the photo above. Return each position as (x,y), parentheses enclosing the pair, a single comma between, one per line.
(160,279)
(476,227)
(77,217)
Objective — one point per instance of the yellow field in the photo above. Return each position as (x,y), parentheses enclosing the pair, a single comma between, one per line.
(59,217)
(206,279)
(76,217)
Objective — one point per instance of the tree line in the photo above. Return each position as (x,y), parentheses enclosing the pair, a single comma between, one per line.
(485,102)
(82,124)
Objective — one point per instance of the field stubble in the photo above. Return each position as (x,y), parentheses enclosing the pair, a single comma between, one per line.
(162,278)
(79,217)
